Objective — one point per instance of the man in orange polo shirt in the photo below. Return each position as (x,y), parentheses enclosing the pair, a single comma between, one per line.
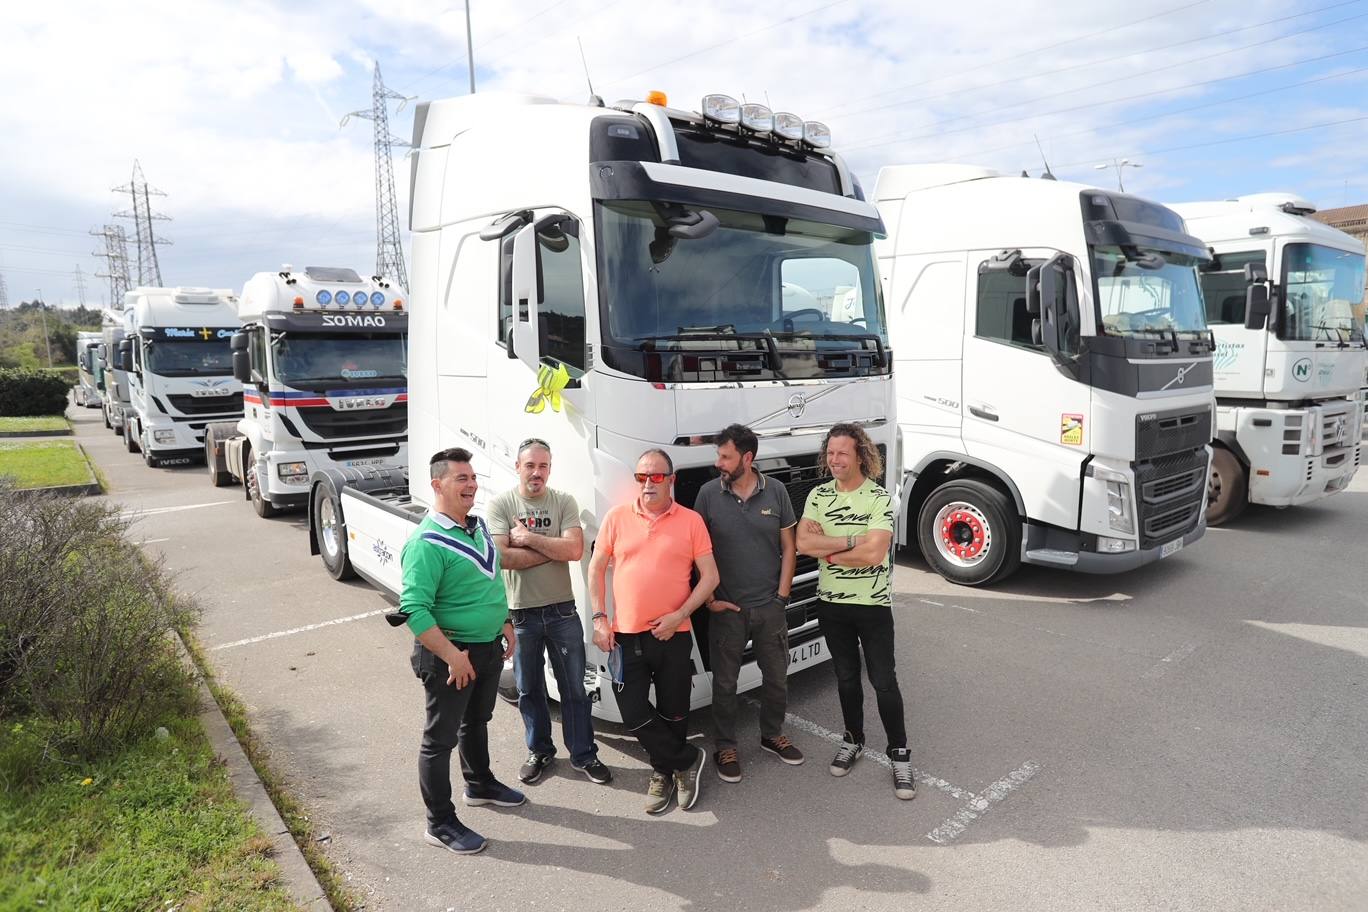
(654,545)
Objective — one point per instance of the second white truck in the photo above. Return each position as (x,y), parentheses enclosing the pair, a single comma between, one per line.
(87,393)
(1284,296)
(321,357)
(1054,372)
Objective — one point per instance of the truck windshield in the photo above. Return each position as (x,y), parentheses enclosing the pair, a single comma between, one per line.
(1323,290)
(753,274)
(336,359)
(1146,292)
(189,359)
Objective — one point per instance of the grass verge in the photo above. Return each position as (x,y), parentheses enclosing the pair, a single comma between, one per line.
(150,826)
(43,423)
(291,811)
(44,463)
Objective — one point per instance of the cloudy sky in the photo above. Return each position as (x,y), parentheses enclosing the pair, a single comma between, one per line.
(233,107)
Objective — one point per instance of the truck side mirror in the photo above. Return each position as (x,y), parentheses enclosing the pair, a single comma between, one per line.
(528,293)
(239,342)
(1257,306)
(1053,301)
(125,356)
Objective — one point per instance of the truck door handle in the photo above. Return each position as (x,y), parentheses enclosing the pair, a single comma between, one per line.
(985,412)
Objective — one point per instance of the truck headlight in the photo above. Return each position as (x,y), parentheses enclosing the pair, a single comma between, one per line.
(166,436)
(293,472)
(1120,517)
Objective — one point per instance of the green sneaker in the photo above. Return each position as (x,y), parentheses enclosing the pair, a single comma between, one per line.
(686,781)
(658,793)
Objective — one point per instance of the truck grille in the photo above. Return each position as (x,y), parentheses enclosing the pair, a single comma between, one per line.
(1171,491)
(332,425)
(207,405)
(1161,433)
(1337,427)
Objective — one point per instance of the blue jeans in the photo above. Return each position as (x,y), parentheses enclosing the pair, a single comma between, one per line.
(554,630)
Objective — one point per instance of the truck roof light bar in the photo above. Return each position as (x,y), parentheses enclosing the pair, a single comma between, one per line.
(721,109)
(817,135)
(788,126)
(757,118)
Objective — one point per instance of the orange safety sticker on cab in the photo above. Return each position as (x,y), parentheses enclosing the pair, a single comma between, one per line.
(1071,430)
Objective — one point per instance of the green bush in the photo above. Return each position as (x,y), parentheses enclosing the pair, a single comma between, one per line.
(32,392)
(84,623)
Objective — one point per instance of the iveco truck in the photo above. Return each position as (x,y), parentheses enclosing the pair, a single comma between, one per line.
(1284,296)
(321,359)
(613,279)
(87,393)
(178,362)
(1054,372)
(115,382)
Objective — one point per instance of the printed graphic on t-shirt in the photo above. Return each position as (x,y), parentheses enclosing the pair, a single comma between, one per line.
(852,513)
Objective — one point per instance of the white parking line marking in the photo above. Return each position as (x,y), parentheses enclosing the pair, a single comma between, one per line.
(813,728)
(137,514)
(1168,661)
(979,805)
(294,630)
(153,541)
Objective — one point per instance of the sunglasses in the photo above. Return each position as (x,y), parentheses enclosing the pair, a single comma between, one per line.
(652,477)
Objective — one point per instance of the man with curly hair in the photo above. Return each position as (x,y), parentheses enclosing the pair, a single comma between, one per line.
(848,526)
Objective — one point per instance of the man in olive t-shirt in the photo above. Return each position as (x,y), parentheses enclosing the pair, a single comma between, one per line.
(539,534)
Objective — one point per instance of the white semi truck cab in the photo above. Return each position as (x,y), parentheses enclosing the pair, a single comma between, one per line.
(613,279)
(87,392)
(1054,372)
(113,382)
(178,362)
(321,357)
(1284,296)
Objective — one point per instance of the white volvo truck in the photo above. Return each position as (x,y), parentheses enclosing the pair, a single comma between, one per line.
(1284,296)
(87,393)
(613,279)
(115,381)
(322,363)
(177,359)
(1054,372)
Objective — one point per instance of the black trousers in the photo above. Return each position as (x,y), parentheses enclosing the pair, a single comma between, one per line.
(456,719)
(662,729)
(848,630)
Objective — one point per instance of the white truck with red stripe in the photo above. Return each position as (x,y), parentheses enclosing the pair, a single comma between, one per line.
(321,356)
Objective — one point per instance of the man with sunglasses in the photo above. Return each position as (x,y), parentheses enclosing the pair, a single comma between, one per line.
(654,545)
(539,534)
(454,603)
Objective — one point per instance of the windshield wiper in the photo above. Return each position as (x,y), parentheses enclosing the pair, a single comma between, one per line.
(1339,333)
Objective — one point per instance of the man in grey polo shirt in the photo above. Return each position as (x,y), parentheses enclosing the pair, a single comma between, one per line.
(751,521)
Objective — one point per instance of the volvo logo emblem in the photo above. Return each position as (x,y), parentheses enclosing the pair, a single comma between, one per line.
(797,405)
(1179,377)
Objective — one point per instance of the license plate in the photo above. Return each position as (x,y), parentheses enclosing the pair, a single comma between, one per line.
(805,652)
(354,463)
(1172,547)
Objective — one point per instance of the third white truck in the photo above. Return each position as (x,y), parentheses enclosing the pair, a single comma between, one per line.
(1284,296)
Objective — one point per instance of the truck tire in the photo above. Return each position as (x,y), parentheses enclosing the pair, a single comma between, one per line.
(152,462)
(264,508)
(130,442)
(214,459)
(970,533)
(330,529)
(105,412)
(1227,488)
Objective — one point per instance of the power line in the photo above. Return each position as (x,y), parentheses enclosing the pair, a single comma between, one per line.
(149,269)
(80,286)
(904,137)
(115,255)
(389,252)
(1114,58)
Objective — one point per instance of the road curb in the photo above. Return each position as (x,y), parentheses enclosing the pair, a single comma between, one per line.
(15,434)
(295,872)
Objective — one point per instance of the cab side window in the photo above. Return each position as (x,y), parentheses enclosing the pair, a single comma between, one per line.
(562,310)
(1002,314)
(1223,285)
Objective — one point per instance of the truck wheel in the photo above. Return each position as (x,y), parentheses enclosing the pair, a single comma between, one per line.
(264,508)
(1227,488)
(219,476)
(969,533)
(331,532)
(105,413)
(130,443)
(152,462)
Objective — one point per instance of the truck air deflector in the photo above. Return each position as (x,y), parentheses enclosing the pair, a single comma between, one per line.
(341,321)
(1135,234)
(630,180)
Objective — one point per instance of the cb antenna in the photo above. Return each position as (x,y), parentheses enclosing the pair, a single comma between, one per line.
(1047,175)
(594,100)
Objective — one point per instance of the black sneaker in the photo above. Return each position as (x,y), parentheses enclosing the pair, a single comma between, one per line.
(846,755)
(784,749)
(455,837)
(495,793)
(728,764)
(533,767)
(904,785)
(595,771)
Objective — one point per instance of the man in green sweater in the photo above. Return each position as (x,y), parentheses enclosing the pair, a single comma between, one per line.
(453,596)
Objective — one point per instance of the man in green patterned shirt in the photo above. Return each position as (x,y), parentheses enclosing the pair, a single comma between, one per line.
(848,526)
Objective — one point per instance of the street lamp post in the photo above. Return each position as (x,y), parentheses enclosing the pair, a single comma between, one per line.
(42,311)
(1118,164)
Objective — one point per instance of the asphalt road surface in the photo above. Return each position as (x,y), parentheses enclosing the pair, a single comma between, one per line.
(1190,736)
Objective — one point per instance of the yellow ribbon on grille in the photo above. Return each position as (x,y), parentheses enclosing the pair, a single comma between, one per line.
(550,382)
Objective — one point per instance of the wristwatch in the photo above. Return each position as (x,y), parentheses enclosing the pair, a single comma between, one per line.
(783,599)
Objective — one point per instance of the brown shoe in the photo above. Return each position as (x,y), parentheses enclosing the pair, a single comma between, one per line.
(728,765)
(784,749)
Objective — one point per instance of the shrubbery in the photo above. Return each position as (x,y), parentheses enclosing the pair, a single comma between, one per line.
(32,392)
(84,620)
